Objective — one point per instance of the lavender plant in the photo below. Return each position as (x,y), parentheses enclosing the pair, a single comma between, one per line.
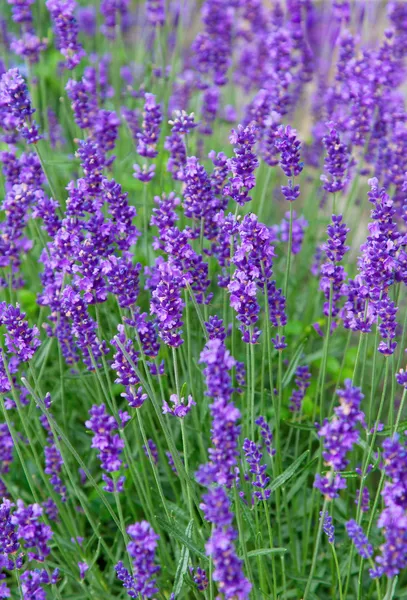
(203,316)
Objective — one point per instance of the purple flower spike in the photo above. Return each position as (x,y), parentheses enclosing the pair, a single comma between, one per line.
(167,304)
(150,129)
(228,572)
(243,165)
(266,434)
(253,456)
(333,275)
(362,545)
(179,408)
(340,435)
(109,443)
(336,162)
(66,29)
(225,430)
(392,520)
(328,527)
(155,10)
(302,382)
(20,339)
(142,550)
(15,98)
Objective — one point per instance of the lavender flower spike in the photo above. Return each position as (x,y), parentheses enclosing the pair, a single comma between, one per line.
(142,550)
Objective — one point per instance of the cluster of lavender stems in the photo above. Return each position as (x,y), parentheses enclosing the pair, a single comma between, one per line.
(203,318)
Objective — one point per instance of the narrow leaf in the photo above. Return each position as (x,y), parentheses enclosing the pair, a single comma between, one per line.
(181,537)
(293,365)
(263,551)
(182,567)
(288,473)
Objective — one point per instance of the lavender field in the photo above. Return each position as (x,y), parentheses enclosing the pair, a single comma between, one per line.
(203,308)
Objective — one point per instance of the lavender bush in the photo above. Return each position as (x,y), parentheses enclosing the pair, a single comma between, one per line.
(203,307)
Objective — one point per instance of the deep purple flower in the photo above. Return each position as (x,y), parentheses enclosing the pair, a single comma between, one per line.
(210,109)
(302,382)
(145,173)
(365,500)
(225,430)
(36,535)
(83,567)
(150,128)
(362,545)
(124,363)
(215,328)
(171,463)
(9,544)
(200,578)
(336,161)
(243,165)
(113,11)
(289,147)
(20,339)
(328,527)
(199,202)
(21,11)
(109,443)
(182,122)
(167,304)
(86,17)
(15,98)
(228,572)
(84,104)
(142,550)
(66,29)
(340,435)
(28,46)
(392,520)
(105,130)
(254,260)
(401,377)
(266,434)
(32,583)
(253,456)
(279,342)
(179,408)
(175,145)
(155,12)
(153,451)
(220,171)
(212,48)
(333,275)
(83,327)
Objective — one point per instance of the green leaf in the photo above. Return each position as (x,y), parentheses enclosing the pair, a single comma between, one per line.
(288,473)
(183,391)
(263,551)
(181,537)
(302,426)
(293,365)
(182,567)
(301,478)
(391,588)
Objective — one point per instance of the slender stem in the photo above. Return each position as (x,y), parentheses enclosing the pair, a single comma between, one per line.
(316,550)
(338,572)
(290,243)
